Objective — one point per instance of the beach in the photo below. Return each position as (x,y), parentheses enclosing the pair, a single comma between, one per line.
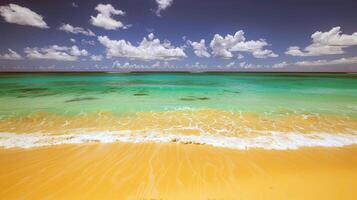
(178,136)
(176,171)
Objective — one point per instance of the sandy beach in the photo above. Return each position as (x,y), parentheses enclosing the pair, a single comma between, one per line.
(176,171)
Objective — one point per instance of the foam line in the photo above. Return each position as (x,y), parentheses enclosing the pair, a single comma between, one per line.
(273,140)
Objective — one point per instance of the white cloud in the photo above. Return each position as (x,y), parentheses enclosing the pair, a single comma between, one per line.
(55,52)
(96,57)
(225,46)
(89,42)
(104,17)
(200,48)
(11,55)
(245,65)
(74,5)
(241,65)
(16,14)
(76,30)
(158,65)
(325,43)
(231,64)
(149,48)
(163,65)
(340,61)
(127,66)
(73,40)
(162,5)
(280,65)
(197,66)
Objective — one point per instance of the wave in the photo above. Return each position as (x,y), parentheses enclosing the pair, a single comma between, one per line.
(269,140)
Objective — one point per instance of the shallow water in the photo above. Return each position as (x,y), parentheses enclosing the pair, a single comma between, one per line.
(164,104)
(121,93)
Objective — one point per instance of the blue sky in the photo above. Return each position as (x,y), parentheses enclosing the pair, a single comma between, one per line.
(253,35)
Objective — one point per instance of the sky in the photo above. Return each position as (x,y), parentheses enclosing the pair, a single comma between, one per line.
(178,35)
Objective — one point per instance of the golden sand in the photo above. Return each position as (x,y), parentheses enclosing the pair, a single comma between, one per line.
(176,171)
(187,122)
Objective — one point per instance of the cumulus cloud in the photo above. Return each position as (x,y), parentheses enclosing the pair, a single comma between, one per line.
(11,55)
(197,66)
(16,14)
(73,40)
(199,48)
(246,65)
(231,64)
(127,66)
(104,18)
(55,52)
(168,66)
(340,61)
(162,5)
(96,57)
(164,65)
(75,30)
(325,43)
(241,65)
(74,5)
(158,65)
(280,65)
(149,48)
(225,46)
(88,42)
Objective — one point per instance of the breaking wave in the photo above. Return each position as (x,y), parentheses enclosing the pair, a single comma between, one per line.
(268,140)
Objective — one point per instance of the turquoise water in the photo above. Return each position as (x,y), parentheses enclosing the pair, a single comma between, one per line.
(272,93)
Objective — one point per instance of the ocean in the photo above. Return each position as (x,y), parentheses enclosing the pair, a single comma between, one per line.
(231,110)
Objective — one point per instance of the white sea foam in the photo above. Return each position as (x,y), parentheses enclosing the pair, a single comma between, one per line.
(269,140)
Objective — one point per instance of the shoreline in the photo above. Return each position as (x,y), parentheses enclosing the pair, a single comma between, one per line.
(205,127)
(266,141)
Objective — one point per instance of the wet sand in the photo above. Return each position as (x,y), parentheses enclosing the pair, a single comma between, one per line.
(185,122)
(176,171)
